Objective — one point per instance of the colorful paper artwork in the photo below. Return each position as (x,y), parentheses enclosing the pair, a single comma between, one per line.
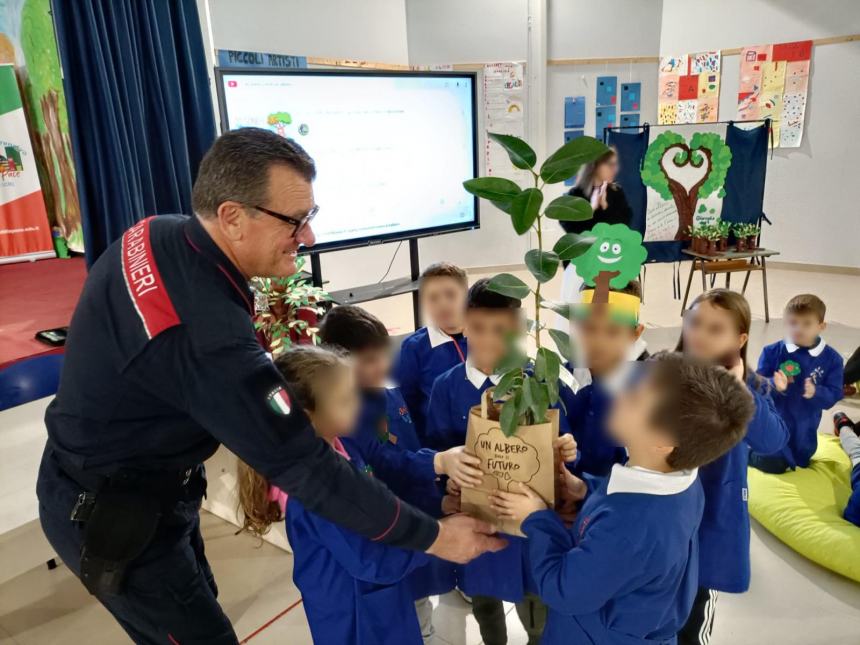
(689,88)
(604,117)
(607,91)
(631,96)
(574,111)
(774,80)
(570,135)
(629,120)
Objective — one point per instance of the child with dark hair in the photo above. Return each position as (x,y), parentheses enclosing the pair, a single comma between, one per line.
(609,347)
(626,572)
(806,375)
(716,329)
(491,319)
(386,430)
(439,345)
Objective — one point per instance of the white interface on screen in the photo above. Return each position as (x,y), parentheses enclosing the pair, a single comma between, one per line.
(391,152)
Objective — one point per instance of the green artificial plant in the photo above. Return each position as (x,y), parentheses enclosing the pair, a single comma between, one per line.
(529,383)
(280,306)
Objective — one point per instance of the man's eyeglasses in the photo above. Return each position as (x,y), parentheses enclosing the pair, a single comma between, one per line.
(300,224)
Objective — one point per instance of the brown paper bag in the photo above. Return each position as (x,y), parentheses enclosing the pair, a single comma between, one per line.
(527,456)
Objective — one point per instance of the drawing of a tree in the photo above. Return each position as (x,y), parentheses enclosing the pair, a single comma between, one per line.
(705,148)
(279,120)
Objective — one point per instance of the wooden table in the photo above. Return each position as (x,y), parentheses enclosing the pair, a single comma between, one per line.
(729,262)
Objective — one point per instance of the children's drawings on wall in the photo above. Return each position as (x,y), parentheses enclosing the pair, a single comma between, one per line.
(604,117)
(774,80)
(607,91)
(631,97)
(689,88)
(574,111)
(503,113)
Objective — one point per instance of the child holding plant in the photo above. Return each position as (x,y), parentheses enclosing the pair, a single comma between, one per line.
(386,434)
(626,572)
(806,375)
(716,329)
(609,347)
(491,319)
(439,345)
(355,590)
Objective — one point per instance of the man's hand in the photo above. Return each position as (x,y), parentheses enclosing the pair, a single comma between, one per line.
(516,506)
(452,488)
(460,466)
(566,446)
(462,538)
(808,388)
(780,381)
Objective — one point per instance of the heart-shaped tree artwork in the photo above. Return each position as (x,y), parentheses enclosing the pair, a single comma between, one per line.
(669,156)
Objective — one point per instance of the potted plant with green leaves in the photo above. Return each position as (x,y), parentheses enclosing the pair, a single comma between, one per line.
(753,231)
(529,381)
(712,235)
(724,228)
(513,432)
(740,233)
(287,309)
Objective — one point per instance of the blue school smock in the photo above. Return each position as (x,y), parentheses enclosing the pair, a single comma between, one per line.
(626,572)
(385,435)
(424,356)
(354,590)
(724,536)
(821,363)
(503,574)
(852,509)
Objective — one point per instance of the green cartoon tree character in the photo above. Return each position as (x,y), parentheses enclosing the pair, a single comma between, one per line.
(703,147)
(613,260)
(279,120)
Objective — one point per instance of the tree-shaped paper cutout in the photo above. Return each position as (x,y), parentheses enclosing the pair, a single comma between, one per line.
(704,148)
(613,260)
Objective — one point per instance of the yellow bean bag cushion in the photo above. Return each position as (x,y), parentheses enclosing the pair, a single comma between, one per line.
(804,508)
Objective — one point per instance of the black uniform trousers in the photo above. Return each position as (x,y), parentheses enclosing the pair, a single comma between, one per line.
(169,594)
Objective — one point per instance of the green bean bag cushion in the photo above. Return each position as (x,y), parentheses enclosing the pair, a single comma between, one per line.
(804,508)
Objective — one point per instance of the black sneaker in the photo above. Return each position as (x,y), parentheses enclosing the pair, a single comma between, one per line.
(840,420)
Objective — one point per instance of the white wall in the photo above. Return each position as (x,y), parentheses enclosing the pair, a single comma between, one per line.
(477,31)
(619,28)
(809,193)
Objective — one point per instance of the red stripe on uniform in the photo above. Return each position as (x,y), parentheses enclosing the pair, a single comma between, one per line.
(143,281)
(393,523)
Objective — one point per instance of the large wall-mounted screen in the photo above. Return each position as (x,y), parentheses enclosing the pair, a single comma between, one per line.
(392,149)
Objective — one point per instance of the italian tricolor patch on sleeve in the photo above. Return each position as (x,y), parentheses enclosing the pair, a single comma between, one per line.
(279,401)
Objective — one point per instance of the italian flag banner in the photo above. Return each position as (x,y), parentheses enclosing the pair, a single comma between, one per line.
(24,230)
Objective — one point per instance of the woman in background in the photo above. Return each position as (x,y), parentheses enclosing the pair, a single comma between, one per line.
(596,183)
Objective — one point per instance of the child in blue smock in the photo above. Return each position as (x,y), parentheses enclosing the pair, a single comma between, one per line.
(716,329)
(846,430)
(627,571)
(385,435)
(355,590)
(439,345)
(491,319)
(608,347)
(806,375)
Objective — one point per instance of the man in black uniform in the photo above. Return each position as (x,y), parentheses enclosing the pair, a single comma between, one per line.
(162,364)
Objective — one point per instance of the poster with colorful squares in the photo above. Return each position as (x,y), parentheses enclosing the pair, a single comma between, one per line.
(607,91)
(604,117)
(689,88)
(774,80)
(631,97)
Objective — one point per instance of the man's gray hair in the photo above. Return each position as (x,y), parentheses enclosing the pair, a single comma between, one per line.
(236,168)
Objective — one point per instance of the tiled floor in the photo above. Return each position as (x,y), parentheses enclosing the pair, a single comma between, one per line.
(792,601)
